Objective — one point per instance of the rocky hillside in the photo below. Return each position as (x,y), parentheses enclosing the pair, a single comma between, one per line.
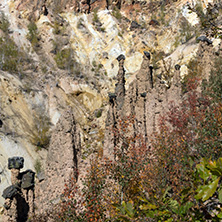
(61,70)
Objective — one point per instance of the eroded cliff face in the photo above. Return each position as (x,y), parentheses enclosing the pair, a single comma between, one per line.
(150,96)
(81,66)
(63,161)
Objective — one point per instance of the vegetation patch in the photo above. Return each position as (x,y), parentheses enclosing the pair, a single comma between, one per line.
(33,35)
(41,133)
(97,23)
(38,166)
(12,59)
(63,58)
(117,14)
(4,23)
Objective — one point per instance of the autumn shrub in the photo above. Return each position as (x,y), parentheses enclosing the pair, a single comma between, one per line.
(93,192)
(70,207)
(188,133)
(131,156)
(86,204)
(176,178)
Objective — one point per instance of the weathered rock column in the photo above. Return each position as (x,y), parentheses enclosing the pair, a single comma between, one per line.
(116,101)
(205,56)
(176,79)
(19,197)
(120,85)
(62,161)
(11,193)
(144,85)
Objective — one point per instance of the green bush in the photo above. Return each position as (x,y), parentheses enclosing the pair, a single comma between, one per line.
(209,19)
(117,14)
(11,57)
(32,35)
(38,166)
(41,133)
(63,58)
(4,23)
(95,17)
(80,23)
(194,72)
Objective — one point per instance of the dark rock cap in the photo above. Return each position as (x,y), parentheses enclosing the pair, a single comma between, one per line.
(28,178)
(15,162)
(177,67)
(112,97)
(204,39)
(143,94)
(147,54)
(9,192)
(134,25)
(120,57)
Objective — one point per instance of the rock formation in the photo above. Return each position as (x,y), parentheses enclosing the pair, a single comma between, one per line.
(19,197)
(138,94)
(116,101)
(76,65)
(145,100)
(62,161)
(120,85)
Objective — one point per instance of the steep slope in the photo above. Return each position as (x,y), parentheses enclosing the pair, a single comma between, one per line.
(64,55)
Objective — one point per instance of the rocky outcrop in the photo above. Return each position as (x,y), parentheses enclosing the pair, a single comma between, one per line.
(138,94)
(19,197)
(145,100)
(120,85)
(68,35)
(205,55)
(116,101)
(62,161)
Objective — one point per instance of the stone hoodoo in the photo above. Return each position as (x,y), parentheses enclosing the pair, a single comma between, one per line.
(19,197)
(137,96)
(176,78)
(204,56)
(120,85)
(62,161)
(146,99)
(116,110)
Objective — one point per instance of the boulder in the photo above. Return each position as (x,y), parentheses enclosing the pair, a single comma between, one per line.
(177,67)
(204,39)
(134,25)
(28,179)
(15,162)
(147,54)
(120,57)
(10,192)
